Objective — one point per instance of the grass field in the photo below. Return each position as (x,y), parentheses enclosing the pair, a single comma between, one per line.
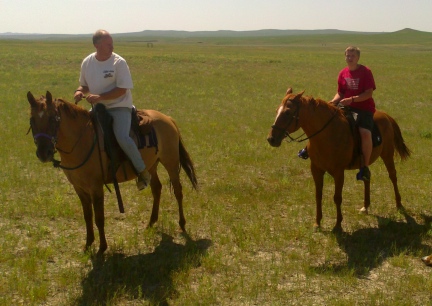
(250,238)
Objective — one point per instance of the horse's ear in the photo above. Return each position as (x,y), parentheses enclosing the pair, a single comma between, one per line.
(48,98)
(300,94)
(31,99)
(289,91)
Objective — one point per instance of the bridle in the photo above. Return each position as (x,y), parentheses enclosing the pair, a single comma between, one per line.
(54,126)
(295,116)
(291,117)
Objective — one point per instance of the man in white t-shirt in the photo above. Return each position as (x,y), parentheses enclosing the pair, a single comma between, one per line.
(105,78)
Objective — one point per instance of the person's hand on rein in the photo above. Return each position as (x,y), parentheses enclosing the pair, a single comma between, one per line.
(78,96)
(93,99)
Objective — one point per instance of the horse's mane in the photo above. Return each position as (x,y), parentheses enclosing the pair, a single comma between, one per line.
(319,103)
(70,108)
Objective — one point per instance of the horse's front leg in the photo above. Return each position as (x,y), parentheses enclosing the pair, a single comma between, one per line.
(339,178)
(366,202)
(86,203)
(99,211)
(156,189)
(318,176)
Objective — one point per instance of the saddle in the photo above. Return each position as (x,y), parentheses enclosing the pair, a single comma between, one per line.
(142,132)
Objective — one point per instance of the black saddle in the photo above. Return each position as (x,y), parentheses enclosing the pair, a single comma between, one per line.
(142,132)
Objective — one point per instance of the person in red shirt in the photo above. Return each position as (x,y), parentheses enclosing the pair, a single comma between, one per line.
(355,88)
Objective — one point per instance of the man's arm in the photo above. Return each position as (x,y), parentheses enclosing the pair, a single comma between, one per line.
(110,95)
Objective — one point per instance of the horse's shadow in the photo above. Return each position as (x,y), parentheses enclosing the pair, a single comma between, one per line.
(144,276)
(366,249)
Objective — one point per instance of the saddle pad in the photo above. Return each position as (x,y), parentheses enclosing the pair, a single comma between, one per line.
(145,132)
(148,140)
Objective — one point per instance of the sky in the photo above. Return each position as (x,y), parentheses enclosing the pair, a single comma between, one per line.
(124,16)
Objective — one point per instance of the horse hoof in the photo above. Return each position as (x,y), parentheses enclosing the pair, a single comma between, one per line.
(337,230)
(364,211)
(427,260)
(101,251)
(317,229)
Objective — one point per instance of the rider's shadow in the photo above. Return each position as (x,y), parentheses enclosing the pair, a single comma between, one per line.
(144,276)
(366,249)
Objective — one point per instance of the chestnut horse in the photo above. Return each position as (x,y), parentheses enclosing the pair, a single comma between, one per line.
(58,125)
(332,147)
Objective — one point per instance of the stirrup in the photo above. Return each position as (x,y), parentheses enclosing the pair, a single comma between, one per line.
(364,174)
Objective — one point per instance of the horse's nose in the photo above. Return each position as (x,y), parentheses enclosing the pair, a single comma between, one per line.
(272,141)
(46,156)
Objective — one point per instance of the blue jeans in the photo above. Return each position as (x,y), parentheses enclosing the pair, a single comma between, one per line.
(121,126)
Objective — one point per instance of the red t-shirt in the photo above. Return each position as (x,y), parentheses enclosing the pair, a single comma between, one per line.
(353,83)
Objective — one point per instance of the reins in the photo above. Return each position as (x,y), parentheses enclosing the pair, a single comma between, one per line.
(57,163)
(314,134)
(295,115)
(78,140)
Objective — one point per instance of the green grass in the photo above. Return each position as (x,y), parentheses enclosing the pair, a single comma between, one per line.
(250,239)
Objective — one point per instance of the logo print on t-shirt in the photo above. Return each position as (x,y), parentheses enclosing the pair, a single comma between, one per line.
(108,74)
(352,83)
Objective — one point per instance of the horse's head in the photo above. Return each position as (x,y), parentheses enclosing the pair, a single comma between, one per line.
(286,121)
(44,124)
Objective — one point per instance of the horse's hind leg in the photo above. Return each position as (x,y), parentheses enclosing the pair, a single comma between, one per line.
(178,192)
(156,188)
(391,169)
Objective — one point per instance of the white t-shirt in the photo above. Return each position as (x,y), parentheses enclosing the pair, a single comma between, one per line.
(101,77)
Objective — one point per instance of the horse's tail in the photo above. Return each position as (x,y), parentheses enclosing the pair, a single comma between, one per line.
(187,164)
(400,146)
(186,161)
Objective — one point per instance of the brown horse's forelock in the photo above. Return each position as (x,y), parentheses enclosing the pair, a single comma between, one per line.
(40,106)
